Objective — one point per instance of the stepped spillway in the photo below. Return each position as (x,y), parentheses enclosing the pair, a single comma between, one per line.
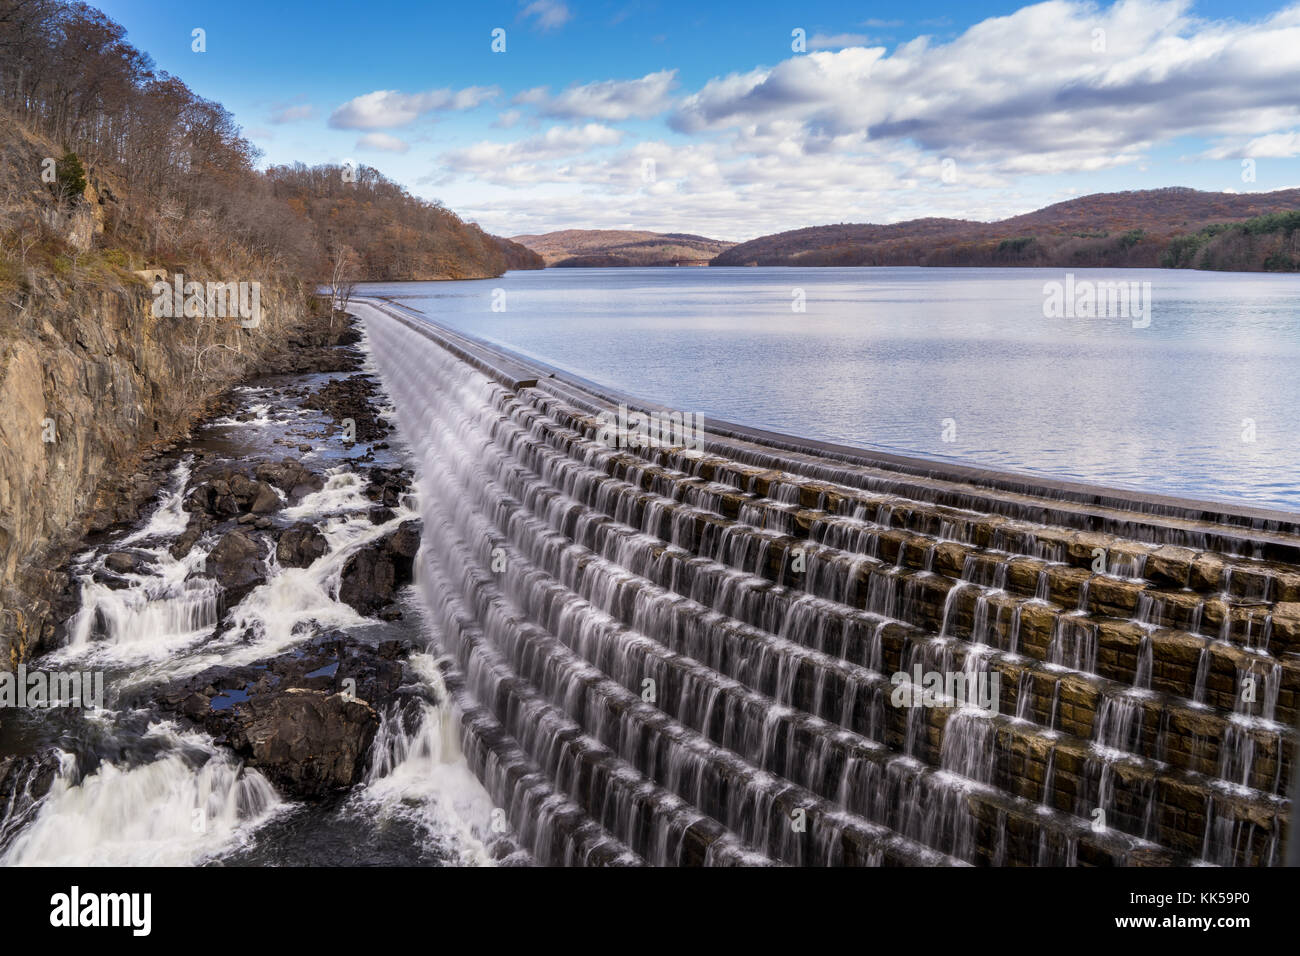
(694,656)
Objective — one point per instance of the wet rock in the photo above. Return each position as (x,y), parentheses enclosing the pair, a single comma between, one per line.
(264,501)
(223,490)
(290,476)
(351,398)
(125,562)
(388,485)
(237,565)
(24,780)
(197,527)
(300,545)
(306,718)
(111,581)
(372,576)
(310,742)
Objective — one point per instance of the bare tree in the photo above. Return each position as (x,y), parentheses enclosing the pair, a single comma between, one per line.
(343,270)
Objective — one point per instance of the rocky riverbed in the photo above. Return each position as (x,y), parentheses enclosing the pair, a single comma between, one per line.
(271,696)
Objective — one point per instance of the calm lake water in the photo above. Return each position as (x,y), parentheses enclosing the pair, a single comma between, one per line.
(903,358)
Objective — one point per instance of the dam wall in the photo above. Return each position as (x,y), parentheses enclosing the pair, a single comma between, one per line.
(722,654)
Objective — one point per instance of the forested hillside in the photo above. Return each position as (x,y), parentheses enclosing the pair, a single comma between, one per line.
(1156,227)
(621,247)
(173,182)
(388,233)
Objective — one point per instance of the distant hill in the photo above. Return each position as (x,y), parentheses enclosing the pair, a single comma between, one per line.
(1173,227)
(621,247)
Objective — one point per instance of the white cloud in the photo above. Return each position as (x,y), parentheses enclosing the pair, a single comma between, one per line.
(383,142)
(1028,91)
(389,108)
(547,14)
(507,119)
(1273,146)
(1022,105)
(610,100)
(488,158)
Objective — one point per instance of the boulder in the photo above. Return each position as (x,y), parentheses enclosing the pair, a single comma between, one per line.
(372,576)
(300,545)
(290,476)
(306,718)
(124,562)
(237,565)
(308,741)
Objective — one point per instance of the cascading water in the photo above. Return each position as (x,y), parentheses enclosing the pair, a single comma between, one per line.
(713,641)
(133,787)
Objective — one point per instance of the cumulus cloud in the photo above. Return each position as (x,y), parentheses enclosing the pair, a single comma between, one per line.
(1010,115)
(547,14)
(610,100)
(389,108)
(383,142)
(489,158)
(1058,86)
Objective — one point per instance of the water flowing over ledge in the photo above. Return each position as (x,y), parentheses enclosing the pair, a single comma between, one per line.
(669,656)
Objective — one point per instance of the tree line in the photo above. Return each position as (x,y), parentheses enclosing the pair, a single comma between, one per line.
(177,182)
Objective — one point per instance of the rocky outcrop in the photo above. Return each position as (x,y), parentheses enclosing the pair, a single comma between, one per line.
(305,719)
(308,741)
(231,493)
(95,389)
(349,399)
(23,781)
(237,565)
(299,546)
(373,575)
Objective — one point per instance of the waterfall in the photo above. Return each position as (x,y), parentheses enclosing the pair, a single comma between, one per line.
(675,656)
(191,804)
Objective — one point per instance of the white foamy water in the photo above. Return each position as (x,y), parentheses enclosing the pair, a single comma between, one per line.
(420,774)
(169,518)
(194,801)
(189,805)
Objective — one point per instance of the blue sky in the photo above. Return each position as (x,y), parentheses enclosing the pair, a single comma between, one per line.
(709,118)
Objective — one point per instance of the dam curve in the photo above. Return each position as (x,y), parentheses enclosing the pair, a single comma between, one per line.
(708,656)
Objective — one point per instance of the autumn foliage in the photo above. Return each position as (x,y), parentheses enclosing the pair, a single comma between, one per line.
(1155,227)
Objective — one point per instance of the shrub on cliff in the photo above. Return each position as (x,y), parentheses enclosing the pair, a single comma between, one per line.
(70,177)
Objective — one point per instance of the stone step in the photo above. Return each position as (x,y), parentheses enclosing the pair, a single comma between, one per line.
(1263,771)
(613,661)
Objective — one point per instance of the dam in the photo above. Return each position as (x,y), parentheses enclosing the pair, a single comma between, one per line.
(691,655)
